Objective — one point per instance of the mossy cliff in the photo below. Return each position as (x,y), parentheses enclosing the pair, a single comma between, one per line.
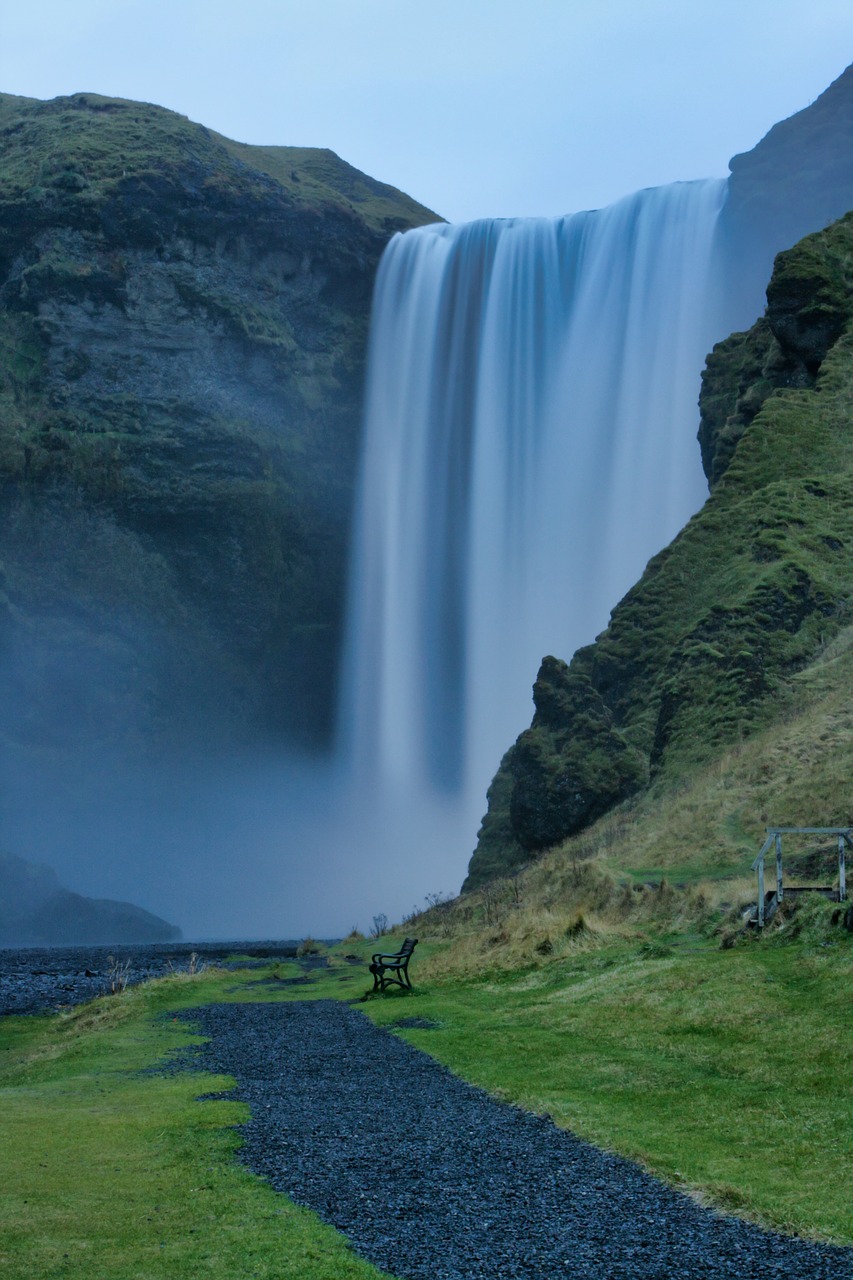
(702,652)
(182,336)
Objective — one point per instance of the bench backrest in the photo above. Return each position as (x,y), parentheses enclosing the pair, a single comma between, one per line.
(408,947)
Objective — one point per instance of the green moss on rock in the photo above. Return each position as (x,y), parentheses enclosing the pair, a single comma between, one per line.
(572,764)
(183,323)
(808,307)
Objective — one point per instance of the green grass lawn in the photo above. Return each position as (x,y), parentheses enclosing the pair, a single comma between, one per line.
(111,1174)
(726,1072)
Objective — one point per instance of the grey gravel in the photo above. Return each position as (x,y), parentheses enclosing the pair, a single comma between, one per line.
(44,979)
(431,1179)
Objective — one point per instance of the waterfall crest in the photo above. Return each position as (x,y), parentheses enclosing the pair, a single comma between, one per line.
(530,443)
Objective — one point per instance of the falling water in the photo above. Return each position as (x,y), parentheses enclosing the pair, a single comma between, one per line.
(530,443)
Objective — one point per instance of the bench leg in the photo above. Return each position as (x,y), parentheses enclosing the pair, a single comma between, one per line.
(399,979)
(390,976)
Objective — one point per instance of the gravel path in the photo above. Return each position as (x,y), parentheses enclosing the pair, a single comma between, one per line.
(431,1179)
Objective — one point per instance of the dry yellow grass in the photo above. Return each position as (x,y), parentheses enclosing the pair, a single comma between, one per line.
(677,859)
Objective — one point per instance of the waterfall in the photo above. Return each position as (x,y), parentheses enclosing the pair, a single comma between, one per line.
(530,443)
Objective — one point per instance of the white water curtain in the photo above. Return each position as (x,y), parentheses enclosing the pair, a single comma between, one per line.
(530,443)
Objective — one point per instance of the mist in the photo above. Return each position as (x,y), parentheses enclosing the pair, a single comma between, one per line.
(246,846)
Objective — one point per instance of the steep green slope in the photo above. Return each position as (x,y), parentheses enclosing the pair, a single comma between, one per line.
(182,333)
(317,176)
(705,650)
(89,146)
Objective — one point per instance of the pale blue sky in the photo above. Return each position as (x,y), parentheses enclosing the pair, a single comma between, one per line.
(476,107)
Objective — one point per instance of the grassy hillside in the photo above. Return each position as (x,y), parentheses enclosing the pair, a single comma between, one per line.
(715,643)
(88,145)
(673,863)
(318,177)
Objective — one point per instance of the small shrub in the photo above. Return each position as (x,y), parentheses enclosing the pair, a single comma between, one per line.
(118,972)
(814,920)
(729,936)
(577,927)
(380,925)
(653,950)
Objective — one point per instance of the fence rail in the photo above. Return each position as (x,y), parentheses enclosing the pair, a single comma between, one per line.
(844,836)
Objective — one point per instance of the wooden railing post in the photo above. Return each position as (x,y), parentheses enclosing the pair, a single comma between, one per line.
(778,867)
(842,871)
(758,865)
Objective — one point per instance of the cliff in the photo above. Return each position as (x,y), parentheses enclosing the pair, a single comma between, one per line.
(798,179)
(182,336)
(703,651)
(36,910)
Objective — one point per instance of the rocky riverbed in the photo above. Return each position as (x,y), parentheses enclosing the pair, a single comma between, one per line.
(39,980)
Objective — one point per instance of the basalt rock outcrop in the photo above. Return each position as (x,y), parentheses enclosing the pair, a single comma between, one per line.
(183,323)
(565,771)
(808,306)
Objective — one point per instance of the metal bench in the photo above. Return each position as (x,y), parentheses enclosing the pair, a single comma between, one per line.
(392,970)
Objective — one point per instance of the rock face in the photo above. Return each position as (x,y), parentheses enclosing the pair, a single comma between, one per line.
(808,304)
(797,180)
(566,770)
(702,651)
(35,910)
(182,334)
